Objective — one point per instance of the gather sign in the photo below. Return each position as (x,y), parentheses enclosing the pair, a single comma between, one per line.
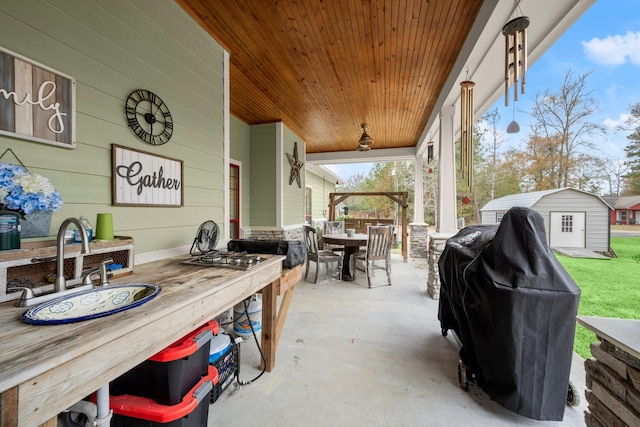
(145,179)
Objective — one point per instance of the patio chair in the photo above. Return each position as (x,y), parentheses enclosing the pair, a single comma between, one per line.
(333,227)
(378,249)
(320,257)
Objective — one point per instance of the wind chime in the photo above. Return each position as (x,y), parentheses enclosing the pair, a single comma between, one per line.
(515,56)
(466,132)
(430,155)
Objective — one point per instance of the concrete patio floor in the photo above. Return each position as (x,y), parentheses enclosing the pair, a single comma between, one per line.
(353,356)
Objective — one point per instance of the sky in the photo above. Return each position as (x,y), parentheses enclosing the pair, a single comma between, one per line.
(605,42)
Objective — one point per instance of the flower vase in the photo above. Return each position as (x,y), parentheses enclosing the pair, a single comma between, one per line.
(36,224)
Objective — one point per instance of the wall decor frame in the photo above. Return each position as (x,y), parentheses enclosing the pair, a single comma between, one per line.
(37,103)
(145,179)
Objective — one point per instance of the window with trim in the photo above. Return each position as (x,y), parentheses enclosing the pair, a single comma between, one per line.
(566,224)
(499,215)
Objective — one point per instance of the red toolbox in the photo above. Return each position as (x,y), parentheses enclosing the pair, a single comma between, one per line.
(169,374)
(192,411)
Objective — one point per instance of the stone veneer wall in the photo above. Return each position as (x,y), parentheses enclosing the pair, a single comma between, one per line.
(436,246)
(275,234)
(418,241)
(613,387)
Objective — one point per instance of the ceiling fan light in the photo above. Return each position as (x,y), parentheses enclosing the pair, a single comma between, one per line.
(513,127)
(365,140)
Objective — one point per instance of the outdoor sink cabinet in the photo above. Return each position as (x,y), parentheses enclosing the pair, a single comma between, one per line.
(45,369)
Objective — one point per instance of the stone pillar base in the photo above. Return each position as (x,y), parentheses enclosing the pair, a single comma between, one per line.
(437,243)
(418,240)
(264,233)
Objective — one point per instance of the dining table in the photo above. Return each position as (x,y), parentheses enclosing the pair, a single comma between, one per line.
(351,245)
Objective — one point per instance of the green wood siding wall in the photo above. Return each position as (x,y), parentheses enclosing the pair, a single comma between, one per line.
(320,189)
(240,150)
(112,48)
(263,175)
(292,195)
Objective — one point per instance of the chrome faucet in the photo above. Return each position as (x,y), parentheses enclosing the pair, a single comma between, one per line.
(61,282)
(101,270)
(29,298)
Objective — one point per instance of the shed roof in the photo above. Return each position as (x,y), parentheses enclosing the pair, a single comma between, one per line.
(527,200)
(610,200)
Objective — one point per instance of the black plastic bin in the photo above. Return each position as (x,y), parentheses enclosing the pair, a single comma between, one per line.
(167,375)
(192,411)
(513,307)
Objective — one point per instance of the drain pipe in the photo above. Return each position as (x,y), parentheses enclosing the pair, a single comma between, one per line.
(85,413)
(80,414)
(104,411)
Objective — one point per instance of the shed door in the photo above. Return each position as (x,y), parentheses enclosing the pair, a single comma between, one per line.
(567,229)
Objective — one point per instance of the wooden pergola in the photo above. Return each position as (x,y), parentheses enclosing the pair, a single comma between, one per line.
(399,197)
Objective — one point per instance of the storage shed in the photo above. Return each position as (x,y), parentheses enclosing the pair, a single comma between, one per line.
(572,218)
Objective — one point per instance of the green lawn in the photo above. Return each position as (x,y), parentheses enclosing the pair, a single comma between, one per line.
(610,288)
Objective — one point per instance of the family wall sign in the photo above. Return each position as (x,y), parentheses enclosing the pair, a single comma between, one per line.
(37,103)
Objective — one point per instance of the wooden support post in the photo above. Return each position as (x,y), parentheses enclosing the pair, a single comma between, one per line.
(288,281)
(405,235)
(9,413)
(399,197)
(269,296)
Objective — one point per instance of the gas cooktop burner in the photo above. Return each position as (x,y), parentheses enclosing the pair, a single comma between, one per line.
(235,260)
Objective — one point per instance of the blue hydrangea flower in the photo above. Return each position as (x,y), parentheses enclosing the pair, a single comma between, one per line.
(26,192)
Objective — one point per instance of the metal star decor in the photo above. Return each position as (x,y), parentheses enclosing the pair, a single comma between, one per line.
(296,165)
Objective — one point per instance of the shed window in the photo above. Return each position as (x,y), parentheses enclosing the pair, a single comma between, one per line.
(499,215)
(567,224)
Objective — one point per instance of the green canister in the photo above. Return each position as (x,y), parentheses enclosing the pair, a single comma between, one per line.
(9,230)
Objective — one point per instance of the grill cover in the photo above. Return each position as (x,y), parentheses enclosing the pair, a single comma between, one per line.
(294,250)
(513,307)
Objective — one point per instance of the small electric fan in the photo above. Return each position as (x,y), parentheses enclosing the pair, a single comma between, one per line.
(206,238)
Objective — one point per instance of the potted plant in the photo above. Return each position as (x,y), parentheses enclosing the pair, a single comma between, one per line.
(31,195)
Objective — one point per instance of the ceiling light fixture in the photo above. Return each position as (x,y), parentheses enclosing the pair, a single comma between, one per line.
(515,56)
(365,140)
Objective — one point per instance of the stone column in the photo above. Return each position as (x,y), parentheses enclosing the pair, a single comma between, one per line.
(418,240)
(437,243)
(613,386)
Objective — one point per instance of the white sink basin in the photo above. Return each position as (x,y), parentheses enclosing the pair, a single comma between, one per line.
(91,304)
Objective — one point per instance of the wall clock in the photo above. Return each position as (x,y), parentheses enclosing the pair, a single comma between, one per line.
(149,117)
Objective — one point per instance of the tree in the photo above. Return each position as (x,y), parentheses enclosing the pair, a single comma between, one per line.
(490,141)
(561,133)
(469,203)
(613,174)
(632,150)
(381,178)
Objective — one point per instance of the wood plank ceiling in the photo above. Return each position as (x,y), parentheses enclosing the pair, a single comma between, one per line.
(323,67)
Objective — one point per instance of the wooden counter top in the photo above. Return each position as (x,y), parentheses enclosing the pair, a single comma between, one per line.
(46,369)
